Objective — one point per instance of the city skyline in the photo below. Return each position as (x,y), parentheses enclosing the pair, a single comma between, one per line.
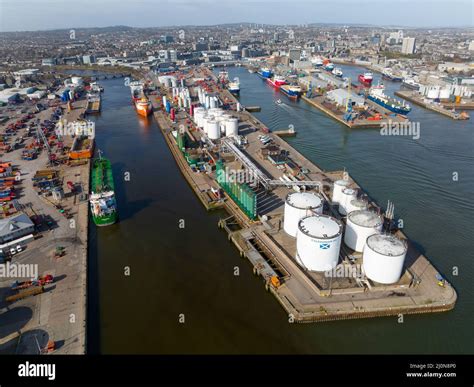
(50,15)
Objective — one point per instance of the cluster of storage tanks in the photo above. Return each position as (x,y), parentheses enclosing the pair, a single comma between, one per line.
(445,92)
(215,122)
(181,95)
(319,236)
(168,81)
(207,100)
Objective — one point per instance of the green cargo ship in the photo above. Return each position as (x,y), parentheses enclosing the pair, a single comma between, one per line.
(102,199)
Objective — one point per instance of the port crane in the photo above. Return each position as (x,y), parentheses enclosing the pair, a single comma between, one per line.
(41,138)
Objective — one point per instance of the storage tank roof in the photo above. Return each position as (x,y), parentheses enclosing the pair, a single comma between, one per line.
(320,226)
(304,200)
(349,191)
(365,218)
(342,182)
(388,245)
(359,203)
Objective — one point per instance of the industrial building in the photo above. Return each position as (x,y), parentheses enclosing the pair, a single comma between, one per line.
(341,97)
(15,227)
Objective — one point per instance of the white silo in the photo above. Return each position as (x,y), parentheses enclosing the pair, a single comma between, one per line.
(356,205)
(232,127)
(383,258)
(359,226)
(221,121)
(77,81)
(338,186)
(213,129)
(318,242)
(297,206)
(445,93)
(213,102)
(347,195)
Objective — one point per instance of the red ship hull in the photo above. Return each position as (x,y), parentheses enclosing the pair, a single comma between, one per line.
(365,81)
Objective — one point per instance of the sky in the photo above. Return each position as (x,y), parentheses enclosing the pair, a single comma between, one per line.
(31,15)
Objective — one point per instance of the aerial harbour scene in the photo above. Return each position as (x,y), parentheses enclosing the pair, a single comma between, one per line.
(236,187)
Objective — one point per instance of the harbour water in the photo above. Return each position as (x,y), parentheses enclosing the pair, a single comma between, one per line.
(187,274)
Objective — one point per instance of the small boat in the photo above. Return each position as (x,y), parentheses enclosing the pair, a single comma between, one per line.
(390,76)
(337,72)
(223,77)
(291,91)
(317,62)
(328,65)
(366,79)
(265,72)
(234,86)
(143,107)
(376,94)
(277,81)
(278,102)
(102,200)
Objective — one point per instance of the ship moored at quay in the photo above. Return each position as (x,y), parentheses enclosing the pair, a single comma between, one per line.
(303,229)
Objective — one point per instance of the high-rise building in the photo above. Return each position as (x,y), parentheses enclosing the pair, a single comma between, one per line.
(166,39)
(295,54)
(408,46)
(173,55)
(471,46)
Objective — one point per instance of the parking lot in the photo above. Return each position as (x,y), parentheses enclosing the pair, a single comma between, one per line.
(58,313)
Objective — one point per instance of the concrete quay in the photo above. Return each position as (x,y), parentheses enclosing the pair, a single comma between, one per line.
(59,313)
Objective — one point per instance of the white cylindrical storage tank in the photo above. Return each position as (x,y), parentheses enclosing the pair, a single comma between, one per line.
(297,206)
(198,119)
(359,226)
(445,93)
(347,195)
(318,242)
(213,129)
(383,258)
(205,121)
(221,121)
(232,127)
(356,205)
(76,80)
(433,93)
(338,186)
(213,103)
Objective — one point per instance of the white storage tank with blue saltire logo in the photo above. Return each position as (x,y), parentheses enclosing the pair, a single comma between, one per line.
(383,258)
(297,206)
(318,242)
(359,226)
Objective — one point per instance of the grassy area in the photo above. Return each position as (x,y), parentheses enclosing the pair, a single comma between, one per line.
(398,55)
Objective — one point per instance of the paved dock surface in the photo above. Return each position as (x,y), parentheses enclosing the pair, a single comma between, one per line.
(58,314)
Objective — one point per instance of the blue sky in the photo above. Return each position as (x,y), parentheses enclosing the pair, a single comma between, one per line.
(18,15)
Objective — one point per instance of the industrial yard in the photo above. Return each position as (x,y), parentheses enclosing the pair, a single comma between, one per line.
(259,207)
(51,192)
